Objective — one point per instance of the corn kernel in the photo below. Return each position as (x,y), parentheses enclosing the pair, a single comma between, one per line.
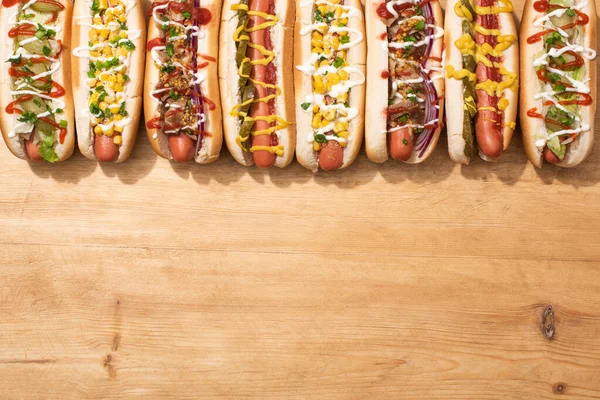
(339,126)
(343,74)
(103,106)
(98,130)
(92,83)
(103,4)
(333,79)
(118,117)
(123,34)
(122,19)
(316,146)
(317,50)
(94,53)
(123,51)
(317,42)
(320,88)
(343,134)
(329,115)
(324,63)
(93,34)
(343,144)
(338,10)
(318,79)
(120,78)
(336,42)
(119,129)
(98,21)
(323,9)
(118,87)
(315,109)
(109,132)
(342,54)
(316,122)
(111,78)
(324,123)
(344,21)
(317,35)
(104,33)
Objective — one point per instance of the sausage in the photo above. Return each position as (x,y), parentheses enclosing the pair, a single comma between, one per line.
(488,123)
(331,156)
(105,149)
(401,144)
(182,147)
(262,158)
(32,150)
(550,156)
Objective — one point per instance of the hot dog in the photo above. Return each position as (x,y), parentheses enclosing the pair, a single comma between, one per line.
(482,71)
(181,88)
(36,96)
(255,69)
(408,36)
(329,55)
(108,74)
(558,96)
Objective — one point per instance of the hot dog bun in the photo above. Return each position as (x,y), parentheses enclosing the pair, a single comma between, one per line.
(376,133)
(455,110)
(532,128)
(17,143)
(336,158)
(207,55)
(104,147)
(281,39)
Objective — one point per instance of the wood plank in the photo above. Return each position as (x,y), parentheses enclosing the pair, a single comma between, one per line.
(154,323)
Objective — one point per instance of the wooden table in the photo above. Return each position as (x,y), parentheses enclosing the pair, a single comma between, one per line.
(151,280)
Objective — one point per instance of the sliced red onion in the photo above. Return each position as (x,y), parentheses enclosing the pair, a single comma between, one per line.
(432,113)
(430,32)
(197,91)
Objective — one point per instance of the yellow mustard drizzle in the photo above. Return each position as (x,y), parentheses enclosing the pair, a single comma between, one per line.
(461,73)
(467,46)
(269,56)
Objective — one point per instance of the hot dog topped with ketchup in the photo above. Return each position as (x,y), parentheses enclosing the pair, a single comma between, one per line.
(181,91)
(255,69)
(330,52)
(558,94)
(482,70)
(36,96)
(406,65)
(108,74)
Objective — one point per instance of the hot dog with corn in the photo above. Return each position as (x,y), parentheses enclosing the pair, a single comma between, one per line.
(108,74)
(330,55)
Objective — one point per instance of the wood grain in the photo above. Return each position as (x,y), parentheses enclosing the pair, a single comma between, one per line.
(153,280)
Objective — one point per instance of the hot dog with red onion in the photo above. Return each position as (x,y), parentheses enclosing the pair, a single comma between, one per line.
(36,96)
(181,90)
(108,75)
(482,72)
(255,70)
(558,94)
(407,66)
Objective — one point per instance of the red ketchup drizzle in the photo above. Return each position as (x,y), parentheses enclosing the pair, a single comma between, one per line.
(155,43)
(385,74)
(154,123)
